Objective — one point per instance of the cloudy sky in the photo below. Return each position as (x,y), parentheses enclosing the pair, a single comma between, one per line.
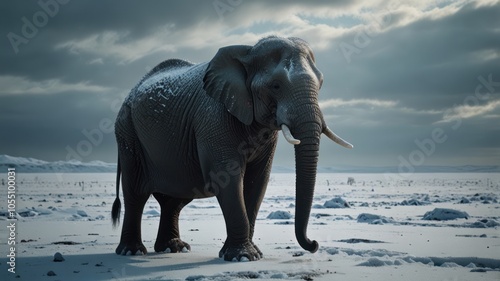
(414,81)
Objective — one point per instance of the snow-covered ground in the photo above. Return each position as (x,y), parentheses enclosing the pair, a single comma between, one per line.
(373,229)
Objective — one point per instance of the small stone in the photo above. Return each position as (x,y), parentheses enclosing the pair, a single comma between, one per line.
(58,257)
(51,273)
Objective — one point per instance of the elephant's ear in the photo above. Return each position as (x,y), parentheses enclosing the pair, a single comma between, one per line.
(225,81)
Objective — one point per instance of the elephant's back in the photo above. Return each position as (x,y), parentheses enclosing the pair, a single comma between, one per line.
(165,73)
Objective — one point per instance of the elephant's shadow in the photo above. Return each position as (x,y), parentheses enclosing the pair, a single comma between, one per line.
(111,266)
(135,266)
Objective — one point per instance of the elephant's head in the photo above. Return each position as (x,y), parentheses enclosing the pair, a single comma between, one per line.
(276,83)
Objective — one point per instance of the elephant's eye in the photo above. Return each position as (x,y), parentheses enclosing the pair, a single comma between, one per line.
(276,85)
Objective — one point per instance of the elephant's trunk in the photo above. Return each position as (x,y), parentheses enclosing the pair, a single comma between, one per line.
(306,161)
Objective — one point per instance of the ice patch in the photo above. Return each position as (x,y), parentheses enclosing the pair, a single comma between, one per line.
(358,240)
(263,274)
(34,212)
(417,200)
(376,262)
(201,207)
(152,213)
(337,203)
(414,202)
(279,215)
(81,213)
(485,198)
(379,258)
(450,264)
(464,201)
(362,253)
(318,206)
(374,219)
(485,223)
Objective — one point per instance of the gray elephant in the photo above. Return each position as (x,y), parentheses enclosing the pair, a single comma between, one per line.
(191,131)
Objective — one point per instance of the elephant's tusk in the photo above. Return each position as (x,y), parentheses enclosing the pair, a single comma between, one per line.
(288,135)
(329,133)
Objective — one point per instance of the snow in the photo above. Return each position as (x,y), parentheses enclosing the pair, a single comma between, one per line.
(377,238)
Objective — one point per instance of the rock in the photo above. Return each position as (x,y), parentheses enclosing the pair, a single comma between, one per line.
(442,214)
(337,203)
(58,257)
(51,273)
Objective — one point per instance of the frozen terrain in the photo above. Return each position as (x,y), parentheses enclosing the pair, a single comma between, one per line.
(31,165)
(381,227)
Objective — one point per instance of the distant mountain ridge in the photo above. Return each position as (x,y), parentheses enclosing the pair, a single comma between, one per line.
(32,165)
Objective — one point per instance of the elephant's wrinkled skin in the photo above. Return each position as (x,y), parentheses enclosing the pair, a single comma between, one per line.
(199,130)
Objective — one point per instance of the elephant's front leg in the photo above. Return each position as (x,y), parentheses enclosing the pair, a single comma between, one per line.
(238,245)
(168,239)
(256,179)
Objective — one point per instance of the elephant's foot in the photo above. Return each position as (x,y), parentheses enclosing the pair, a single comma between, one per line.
(244,252)
(225,247)
(131,249)
(175,245)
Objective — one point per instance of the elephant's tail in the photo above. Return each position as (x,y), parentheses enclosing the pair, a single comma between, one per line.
(117,205)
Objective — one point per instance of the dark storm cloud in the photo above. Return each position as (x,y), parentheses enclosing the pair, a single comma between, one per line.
(423,60)
(80,19)
(427,67)
(45,125)
(411,69)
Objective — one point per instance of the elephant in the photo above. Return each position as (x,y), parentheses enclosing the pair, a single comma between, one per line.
(189,131)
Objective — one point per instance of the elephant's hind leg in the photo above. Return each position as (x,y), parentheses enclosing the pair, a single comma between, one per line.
(131,241)
(134,183)
(168,239)
(135,196)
